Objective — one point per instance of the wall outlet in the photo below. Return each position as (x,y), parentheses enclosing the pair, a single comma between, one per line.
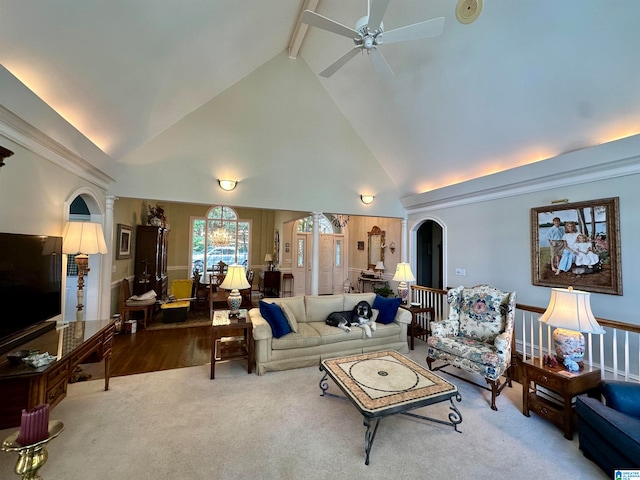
(113,269)
(461,271)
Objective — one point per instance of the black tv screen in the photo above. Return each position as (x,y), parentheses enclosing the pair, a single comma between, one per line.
(30,281)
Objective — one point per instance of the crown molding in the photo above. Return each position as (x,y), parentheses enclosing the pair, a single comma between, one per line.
(29,137)
(574,168)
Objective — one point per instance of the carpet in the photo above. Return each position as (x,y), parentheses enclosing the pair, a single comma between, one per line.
(179,424)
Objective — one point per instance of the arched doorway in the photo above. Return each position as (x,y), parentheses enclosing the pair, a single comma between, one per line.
(82,206)
(429,255)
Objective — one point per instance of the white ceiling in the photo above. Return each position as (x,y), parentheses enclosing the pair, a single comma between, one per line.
(529,80)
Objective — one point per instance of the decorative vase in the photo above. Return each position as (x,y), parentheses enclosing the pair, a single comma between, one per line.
(569,344)
(155,221)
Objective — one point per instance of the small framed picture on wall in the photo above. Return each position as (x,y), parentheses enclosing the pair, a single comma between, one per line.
(123,247)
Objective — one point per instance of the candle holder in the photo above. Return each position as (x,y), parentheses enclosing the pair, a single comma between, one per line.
(32,457)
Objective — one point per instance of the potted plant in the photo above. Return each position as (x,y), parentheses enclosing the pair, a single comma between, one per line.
(384,291)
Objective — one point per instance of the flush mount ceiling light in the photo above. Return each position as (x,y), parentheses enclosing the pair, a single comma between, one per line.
(367,199)
(227,185)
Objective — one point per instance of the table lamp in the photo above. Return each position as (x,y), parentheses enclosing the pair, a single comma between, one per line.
(379,268)
(235,280)
(83,239)
(569,311)
(403,275)
(268,258)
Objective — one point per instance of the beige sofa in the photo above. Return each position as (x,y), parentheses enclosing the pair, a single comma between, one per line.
(315,340)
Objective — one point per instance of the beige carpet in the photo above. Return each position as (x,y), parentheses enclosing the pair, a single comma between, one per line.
(179,424)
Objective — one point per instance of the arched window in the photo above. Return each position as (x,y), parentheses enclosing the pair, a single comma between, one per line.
(223,237)
(306,225)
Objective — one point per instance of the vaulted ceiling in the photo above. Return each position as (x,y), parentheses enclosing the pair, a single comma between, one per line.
(528,80)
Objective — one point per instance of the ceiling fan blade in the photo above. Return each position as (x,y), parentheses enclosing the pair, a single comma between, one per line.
(335,66)
(430,28)
(379,63)
(316,20)
(376,12)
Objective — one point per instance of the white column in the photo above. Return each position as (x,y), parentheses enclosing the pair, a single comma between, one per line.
(107,260)
(405,248)
(315,254)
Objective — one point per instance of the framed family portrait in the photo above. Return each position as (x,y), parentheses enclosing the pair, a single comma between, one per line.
(577,245)
(123,248)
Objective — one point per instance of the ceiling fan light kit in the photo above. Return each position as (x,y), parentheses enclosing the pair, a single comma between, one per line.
(369,33)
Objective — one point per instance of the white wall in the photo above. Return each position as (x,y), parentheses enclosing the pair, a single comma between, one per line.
(490,239)
(280,134)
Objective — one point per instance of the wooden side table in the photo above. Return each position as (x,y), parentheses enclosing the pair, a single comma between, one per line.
(564,384)
(238,332)
(417,328)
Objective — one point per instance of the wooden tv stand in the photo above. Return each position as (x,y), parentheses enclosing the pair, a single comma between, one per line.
(23,386)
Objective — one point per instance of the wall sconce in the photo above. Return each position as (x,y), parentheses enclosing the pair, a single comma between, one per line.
(392,247)
(227,185)
(367,198)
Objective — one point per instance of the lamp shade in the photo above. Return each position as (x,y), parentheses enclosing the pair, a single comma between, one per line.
(236,278)
(83,237)
(268,257)
(571,309)
(379,266)
(403,273)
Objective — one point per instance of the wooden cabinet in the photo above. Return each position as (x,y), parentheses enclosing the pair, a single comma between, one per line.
(151,260)
(270,283)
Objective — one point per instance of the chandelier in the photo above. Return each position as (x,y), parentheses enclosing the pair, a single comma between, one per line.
(220,237)
(339,221)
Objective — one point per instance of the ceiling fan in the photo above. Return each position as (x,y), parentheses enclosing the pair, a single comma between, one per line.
(368,34)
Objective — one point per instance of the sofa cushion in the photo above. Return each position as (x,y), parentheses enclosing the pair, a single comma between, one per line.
(272,313)
(480,315)
(388,308)
(319,307)
(352,299)
(329,334)
(291,318)
(306,337)
(295,304)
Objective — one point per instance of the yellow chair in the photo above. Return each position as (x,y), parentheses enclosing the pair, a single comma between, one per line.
(176,311)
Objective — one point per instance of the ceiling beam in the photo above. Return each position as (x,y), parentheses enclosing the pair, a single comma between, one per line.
(301,29)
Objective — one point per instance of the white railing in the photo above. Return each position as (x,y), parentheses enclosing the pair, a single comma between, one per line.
(616,353)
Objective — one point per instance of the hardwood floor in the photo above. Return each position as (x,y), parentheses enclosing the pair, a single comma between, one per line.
(153,350)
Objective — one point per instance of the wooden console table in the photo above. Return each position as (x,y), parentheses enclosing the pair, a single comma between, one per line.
(24,387)
(373,282)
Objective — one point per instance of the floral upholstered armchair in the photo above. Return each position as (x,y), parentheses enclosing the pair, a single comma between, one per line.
(477,336)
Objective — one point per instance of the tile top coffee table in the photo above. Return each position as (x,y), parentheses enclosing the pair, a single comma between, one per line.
(386,383)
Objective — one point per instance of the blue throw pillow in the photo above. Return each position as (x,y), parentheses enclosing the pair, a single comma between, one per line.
(388,308)
(272,313)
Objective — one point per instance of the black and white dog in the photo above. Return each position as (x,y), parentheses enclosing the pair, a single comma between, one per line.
(360,316)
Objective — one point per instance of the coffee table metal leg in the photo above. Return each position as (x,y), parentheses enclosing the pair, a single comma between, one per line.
(324,385)
(456,416)
(369,437)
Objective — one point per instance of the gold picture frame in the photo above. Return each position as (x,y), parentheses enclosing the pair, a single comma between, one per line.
(578,245)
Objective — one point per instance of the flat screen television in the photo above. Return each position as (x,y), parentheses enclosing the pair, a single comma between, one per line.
(30,286)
